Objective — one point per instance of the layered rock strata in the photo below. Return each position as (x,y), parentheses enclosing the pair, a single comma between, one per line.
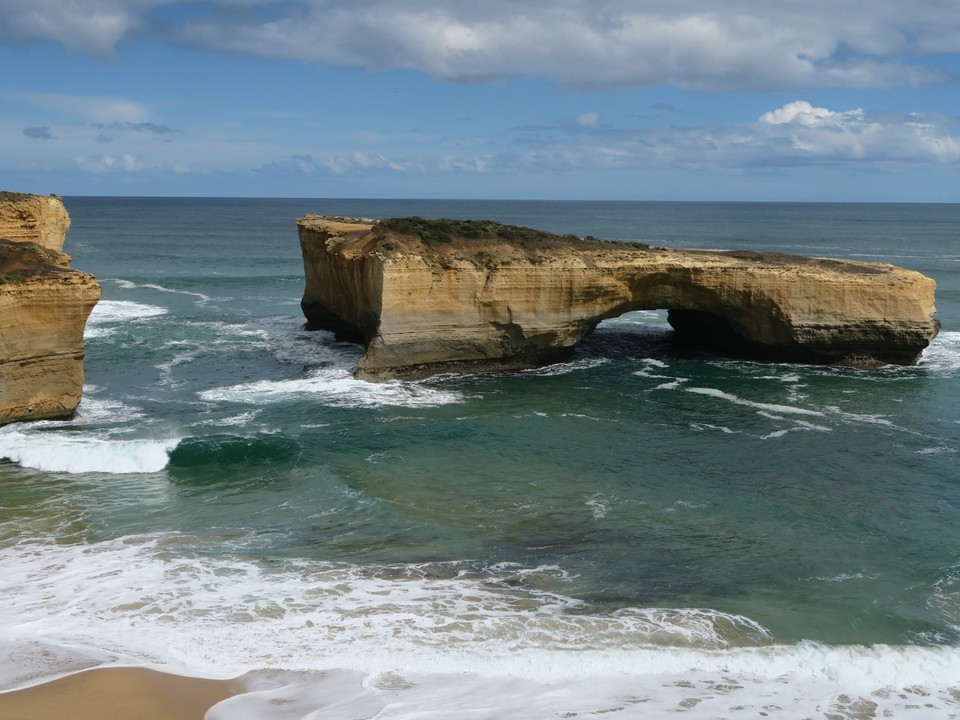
(427,297)
(41,219)
(44,305)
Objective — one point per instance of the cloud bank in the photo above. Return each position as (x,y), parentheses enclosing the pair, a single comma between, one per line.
(579,44)
(93,27)
(796,134)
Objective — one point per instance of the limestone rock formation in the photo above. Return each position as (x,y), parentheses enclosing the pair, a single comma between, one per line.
(427,297)
(44,305)
(34,218)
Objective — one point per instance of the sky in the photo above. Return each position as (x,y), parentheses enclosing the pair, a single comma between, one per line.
(754,100)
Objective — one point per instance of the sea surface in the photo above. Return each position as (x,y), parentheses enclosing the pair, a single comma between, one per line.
(639,532)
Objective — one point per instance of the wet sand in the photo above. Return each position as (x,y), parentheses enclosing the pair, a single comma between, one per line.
(118,694)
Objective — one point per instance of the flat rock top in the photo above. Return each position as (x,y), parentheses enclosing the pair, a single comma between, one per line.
(488,243)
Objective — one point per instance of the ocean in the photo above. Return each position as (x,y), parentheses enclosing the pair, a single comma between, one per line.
(639,532)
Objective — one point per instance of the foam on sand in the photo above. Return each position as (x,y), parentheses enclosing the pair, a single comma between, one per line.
(439,640)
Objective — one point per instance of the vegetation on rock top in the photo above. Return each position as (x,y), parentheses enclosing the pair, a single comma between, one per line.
(19,260)
(445,230)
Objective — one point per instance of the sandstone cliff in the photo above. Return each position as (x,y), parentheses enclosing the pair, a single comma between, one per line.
(459,296)
(44,306)
(34,218)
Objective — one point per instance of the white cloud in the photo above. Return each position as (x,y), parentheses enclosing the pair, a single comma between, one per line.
(801,112)
(821,135)
(796,134)
(580,44)
(589,44)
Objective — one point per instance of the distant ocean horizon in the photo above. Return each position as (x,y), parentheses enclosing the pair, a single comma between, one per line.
(638,531)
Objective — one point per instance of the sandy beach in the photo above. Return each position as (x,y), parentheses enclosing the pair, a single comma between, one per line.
(118,693)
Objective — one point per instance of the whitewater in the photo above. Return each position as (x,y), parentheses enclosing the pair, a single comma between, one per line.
(639,532)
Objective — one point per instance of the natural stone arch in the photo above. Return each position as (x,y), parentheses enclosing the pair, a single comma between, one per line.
(448,296)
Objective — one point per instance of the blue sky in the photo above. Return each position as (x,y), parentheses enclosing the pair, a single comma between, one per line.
(847,100)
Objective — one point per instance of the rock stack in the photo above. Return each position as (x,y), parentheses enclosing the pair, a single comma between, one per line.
(44,305)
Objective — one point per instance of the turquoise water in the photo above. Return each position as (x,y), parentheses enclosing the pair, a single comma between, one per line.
(715,537)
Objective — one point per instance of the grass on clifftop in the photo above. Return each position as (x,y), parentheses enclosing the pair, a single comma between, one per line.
(20,260)
(444,230)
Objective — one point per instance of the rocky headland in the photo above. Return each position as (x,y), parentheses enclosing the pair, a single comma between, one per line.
(427,297)
(44,305)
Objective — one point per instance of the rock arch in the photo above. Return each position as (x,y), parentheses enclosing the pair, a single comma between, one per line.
(424,300)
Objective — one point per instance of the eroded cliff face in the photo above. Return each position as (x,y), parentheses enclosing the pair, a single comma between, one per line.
(41,219)
(44,305)
(426,298)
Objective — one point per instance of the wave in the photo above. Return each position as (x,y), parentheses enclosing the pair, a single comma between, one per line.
(698,695)
(239,420)
(420,640)
(63,447)
(337,388)
(155,597)
(108,312)
(565,368)
(943,354)
(52,450)
(225,450)
(93,409)
(769,407)
(201,298)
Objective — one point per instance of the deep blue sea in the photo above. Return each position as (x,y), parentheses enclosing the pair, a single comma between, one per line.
(638,532)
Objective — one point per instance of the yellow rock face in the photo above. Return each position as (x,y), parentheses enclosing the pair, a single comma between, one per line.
(44,306)
(41,219)
(426,300)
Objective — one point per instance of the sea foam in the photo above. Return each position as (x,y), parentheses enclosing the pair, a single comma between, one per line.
(337,388)
(437,641)
(109,312)
(83,452)
(769,407)
(123,310)
(128,285)
(943,355)
(565,368)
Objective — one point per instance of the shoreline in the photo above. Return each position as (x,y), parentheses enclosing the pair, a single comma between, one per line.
(118,692)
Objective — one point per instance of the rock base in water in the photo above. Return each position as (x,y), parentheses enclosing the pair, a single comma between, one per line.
(44,305)
(428,297)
